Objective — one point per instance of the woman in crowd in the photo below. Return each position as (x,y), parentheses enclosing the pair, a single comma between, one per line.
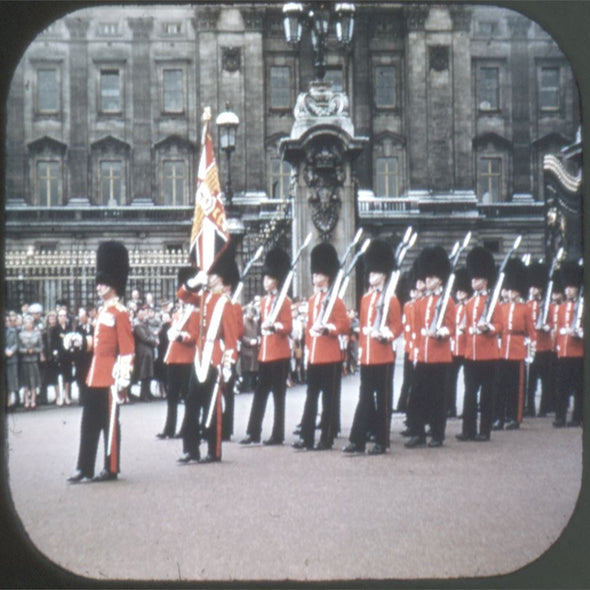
(30,347)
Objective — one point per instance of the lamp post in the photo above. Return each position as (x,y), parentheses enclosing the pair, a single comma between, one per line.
(318,17)
(227,123)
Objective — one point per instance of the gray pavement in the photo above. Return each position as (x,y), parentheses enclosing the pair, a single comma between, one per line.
(273,513)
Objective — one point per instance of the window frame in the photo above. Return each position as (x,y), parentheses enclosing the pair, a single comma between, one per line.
(282,107)
(101,178)
(58,181)
(282,177)
(39,111)
(549,110)
(184,190)
(490,157)
(387,176)
(492,109)
(105,69)
(183,89)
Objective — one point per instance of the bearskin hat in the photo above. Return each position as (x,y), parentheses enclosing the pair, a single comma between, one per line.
(379,257)
(515,276)
(418,269)
(324,260)
(276,264)
(404,286)
(226,267)
(184,274)
(112,265)
(462,280)
(435,262)
(480,264)
(571,274)
(538,275)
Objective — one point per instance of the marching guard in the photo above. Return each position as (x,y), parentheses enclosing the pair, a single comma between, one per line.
(324,371)
(113,349)
(215,344)
(570,346)
(274,355)
(435,322)
(481,353)
(380,325)
(517,342)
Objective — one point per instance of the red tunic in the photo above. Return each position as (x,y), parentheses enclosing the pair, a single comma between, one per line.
(434,350)
(113,337)
(567,345)
(275,346)
(183,352)
(481,347)
(408,327)
(517,326)
(325,348)
(373,351)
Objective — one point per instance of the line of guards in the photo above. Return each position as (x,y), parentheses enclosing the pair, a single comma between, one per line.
(473,316)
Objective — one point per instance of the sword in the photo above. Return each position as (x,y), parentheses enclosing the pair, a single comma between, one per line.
(216,394)
(114,391)
(240,285)
(351,266)
(542,318)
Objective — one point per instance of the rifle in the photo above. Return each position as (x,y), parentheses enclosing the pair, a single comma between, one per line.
(351,266)
(330,299)
(493,300)
(576,325)
(442,303)
(272,316)
(407,242)
(240,285)
(544,311)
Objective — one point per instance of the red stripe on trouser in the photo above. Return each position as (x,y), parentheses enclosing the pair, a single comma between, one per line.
(520,392)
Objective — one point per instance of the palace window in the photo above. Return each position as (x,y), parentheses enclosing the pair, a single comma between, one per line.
(48,100)
(110,91)
(489,180)
(489,89)
(174,182)
(173,90)
(48,183)
(280,87)
(172,28)
(387,177)
(280,177)
(385,87)
(107,29)
(549,89)
(111,182)
(335,77)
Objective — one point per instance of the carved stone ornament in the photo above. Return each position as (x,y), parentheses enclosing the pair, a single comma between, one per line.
(439,58)
(231,59)
(324,175)
(321,101)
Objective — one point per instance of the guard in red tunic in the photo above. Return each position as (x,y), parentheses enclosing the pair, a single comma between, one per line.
(542,366)
(569,332)
(380,322)
(180,355)
(481,352)
(216,340)
(110,371)
(427,403)
(324,371)
(462,289)
(518,340)
(274,355)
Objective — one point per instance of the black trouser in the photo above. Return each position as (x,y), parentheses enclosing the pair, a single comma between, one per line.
(478,375)
(543,368)
(272,376)
(570,381)
(373,410)
(325,378)
(95,419)
(228,411)
(402,402)
(510,383)
(199,398)
(451,385)
(177,380)
(427,404)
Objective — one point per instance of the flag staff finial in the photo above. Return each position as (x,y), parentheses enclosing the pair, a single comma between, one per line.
(206,114)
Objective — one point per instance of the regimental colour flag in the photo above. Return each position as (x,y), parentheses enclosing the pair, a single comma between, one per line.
(210,233)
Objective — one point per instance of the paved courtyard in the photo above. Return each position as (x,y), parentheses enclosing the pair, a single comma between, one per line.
(273,513)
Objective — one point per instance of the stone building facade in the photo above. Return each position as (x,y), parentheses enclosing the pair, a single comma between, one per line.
(459,105)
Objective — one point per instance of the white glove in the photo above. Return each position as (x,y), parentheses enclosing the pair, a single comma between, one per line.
(172,334)
(198,281)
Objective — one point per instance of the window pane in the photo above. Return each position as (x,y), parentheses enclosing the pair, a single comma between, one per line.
(110,98)
(280,176)
(110,182)
(174,182)
(489,179)
(47,181)
(47,91)
(387,177)
(280,90)
(385,86)
(549,93)
(489,89)
(173,91)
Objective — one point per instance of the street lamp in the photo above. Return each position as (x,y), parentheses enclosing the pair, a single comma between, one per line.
(318,17)
(227,123)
